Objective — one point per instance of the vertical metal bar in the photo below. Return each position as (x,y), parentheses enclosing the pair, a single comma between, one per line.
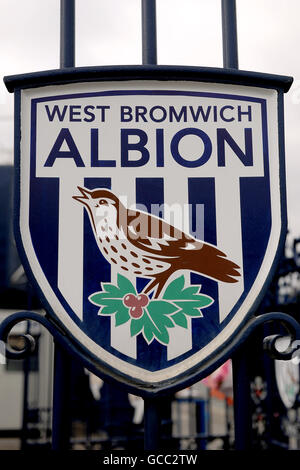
(152,423)
(242,399)
(149,45)
(67,33)
(178,417)
(61,414)
(241,385)
(201,423)
(26,369)
(152,420)
(227,424)
(61,419)
(209,412)
(229,34)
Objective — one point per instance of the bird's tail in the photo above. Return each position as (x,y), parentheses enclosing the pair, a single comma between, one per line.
(215,264)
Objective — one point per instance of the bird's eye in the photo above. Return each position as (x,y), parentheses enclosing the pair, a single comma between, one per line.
(102,201)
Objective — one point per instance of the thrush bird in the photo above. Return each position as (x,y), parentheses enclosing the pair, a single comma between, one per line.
(144,245)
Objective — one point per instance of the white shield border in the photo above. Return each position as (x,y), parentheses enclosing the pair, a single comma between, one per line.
(210,356)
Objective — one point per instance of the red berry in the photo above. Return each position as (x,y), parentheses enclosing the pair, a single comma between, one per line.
(129,300)
(142,300)
(136,312)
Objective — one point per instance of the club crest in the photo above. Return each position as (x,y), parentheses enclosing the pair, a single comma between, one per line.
(143,246)
(150,215)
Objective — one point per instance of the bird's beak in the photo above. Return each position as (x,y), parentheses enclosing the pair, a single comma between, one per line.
(86,195)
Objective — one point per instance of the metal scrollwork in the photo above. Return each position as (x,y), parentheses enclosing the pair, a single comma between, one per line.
(59,336)
(269,343)
(29,342)
(293,332)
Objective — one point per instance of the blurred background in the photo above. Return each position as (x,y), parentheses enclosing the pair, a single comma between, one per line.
(108,32)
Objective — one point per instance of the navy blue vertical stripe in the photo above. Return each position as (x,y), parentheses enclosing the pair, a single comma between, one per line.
(43,221)
(43,214)
(150,191)
(256,215)
(202,191)
(256,225)
(95,269)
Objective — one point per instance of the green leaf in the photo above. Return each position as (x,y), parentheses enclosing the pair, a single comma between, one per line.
(125,286)
(105,311)
(137,325)
(109,290)
(178,302)
(190,292)
(101,298)
(203,300)
(148,331)
(159,324)
(190,308)
(188,299)
(160,320)
(174,288)
(96,298)
(180,319)
(122,316)
(161,307)
(162,335)
(113,304)
(152,326)
(176,291)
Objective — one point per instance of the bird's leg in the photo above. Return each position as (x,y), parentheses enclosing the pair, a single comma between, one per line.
(150,286)
(159,289)
(158,281)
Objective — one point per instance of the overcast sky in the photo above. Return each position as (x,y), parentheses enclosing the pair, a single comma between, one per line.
(189,33)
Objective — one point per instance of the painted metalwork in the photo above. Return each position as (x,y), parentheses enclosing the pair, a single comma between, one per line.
(291,326)
(54,326)
(229,34)
(61,418)
(243,418)
(146,72)
(168,73)
(67,33)
(152,418)
(149,45)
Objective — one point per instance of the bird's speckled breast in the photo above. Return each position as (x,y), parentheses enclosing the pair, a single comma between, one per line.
(119,251)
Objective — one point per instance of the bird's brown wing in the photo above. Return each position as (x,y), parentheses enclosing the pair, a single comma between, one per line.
(212,263)
(155,236)
(159,239)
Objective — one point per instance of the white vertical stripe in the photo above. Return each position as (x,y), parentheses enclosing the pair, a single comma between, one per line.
(70,245)
(229,238)
(120,336)
(177,195)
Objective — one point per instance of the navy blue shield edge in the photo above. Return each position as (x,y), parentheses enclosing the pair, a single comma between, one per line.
(234,193)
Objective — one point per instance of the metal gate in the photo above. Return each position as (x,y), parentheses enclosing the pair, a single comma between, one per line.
(278,324)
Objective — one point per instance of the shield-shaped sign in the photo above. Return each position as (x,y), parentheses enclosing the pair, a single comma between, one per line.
(150,210)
